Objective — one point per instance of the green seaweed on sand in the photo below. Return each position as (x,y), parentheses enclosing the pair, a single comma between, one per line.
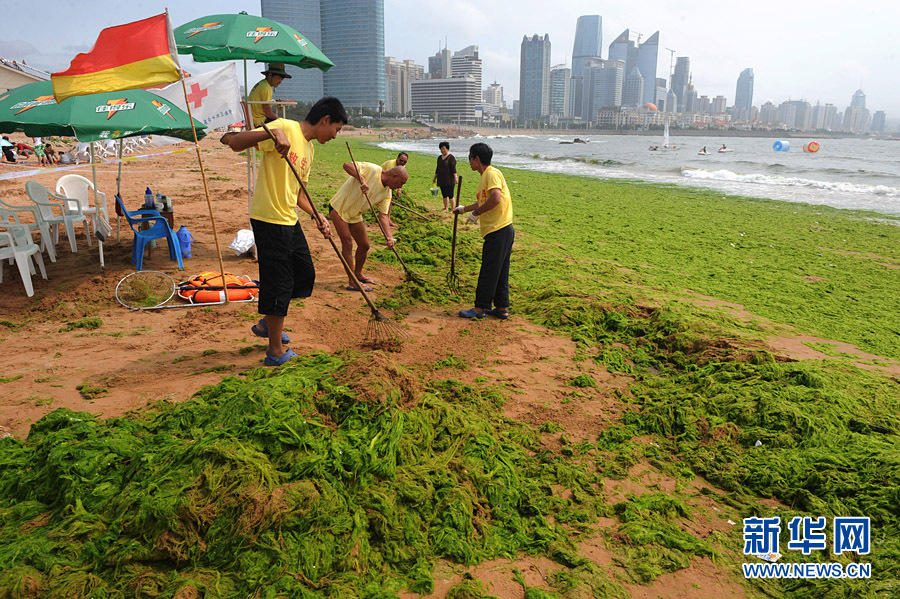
(335,476)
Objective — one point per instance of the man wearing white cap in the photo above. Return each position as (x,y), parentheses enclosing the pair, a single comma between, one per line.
(262,92)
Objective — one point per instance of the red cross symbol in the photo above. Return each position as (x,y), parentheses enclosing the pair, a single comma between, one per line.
(196,96)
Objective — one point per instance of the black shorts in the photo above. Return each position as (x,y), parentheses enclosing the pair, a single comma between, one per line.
(447,190)
(286,269)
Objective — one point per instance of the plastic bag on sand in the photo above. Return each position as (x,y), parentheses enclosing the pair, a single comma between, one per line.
(243,241)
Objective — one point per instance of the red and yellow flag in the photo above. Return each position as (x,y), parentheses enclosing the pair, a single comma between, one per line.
(129,56)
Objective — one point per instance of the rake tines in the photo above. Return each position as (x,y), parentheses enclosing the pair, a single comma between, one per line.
(384,333)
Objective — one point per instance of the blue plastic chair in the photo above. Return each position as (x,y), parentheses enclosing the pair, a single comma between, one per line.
(159,230)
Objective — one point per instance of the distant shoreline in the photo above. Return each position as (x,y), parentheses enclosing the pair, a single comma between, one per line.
(674,132)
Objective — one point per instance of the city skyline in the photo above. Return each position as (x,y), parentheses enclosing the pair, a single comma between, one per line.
(797,51)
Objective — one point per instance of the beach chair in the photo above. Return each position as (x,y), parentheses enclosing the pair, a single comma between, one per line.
(81,153)
(159,230)
(17,245)
(70,212)
(38,224)
(81,189)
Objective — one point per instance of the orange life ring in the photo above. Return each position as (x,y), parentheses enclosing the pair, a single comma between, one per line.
(209,287)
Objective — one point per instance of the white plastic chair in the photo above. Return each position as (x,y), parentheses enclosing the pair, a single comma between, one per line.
(70,212)
(81,189)
(81,152)
(16,244)
(10,212)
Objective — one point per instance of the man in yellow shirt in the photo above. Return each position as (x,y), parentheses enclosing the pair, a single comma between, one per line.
(286,269)
(349,205)
(263,91)
(493,204)
(401,160)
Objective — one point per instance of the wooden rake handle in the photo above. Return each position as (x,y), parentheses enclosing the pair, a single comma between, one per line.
(455,221)
(319,218)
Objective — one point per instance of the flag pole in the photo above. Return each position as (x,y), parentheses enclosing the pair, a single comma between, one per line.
(212,218)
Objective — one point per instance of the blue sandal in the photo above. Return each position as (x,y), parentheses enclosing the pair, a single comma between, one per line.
(501,313)
(472,314)
(263,331)
(279,360)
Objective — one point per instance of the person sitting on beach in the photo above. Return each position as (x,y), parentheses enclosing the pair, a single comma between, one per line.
(401,160)
(286,268)
(349,205)
(24,150)
(445,173)
(51,155)
(493,203)
(262,92)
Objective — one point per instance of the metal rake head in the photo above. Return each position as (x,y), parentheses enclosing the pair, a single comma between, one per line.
(453,282)
(382,332)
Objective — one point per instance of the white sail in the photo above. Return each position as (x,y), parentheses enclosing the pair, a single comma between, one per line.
(666,135)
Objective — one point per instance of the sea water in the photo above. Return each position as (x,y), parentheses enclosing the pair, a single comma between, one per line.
(861,174)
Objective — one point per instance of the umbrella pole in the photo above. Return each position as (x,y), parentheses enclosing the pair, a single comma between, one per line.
(212,218)
(251,152)
(119,189)
(94,174)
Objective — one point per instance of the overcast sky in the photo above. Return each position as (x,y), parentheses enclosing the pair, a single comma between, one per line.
(798,49)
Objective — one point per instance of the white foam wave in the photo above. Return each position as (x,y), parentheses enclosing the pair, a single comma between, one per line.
(760,179)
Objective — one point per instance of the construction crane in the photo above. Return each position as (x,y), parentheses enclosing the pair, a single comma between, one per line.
(671,63)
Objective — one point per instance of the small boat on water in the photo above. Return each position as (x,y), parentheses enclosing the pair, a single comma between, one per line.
(724,150)
(703,152)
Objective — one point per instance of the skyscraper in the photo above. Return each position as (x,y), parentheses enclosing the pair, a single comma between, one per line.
(351,34)
(493,94)
(878,121)
(623,48)
(646,63)
(681,78)
(858,100)
(466,63)
(439,65)
(534,78)
(305,85)
(743,96)
(588,42)
(560,76)
(633,92)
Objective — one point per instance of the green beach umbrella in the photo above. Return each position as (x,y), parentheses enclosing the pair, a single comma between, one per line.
(235,37)
(32,109)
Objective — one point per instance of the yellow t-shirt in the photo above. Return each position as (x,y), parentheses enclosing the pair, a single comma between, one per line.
(261,92)
(349,201)
(500,215)
(276,186)
(389,165)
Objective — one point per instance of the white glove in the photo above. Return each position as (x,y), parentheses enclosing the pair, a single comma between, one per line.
(473,218)
(459,210)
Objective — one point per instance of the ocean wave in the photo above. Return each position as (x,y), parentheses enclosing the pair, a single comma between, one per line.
(760,179)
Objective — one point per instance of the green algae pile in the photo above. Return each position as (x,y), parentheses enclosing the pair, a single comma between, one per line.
(329,477)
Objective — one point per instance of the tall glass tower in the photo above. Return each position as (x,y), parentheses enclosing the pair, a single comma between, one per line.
(743,96)
(681,78)
(646,62)
(588,43)
(534,78)
(351,34)
(305,85)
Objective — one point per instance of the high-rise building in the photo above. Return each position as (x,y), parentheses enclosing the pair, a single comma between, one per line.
(397,83)
(606,79)
(560,77)
(455,97)
(768,113)
(351,34)
(305,85)
(466,63)
(439,65)
(858,100)
(703,105)
(646,63)
(743,96)
(681,78)
(633,90)
(690,98)
(623,48)
(588,43)
(878,121)
(534,78)
(661,91)
(493,94)
(718,105)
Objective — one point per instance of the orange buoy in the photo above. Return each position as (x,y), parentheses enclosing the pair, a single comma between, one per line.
(209,287)
(812,147)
